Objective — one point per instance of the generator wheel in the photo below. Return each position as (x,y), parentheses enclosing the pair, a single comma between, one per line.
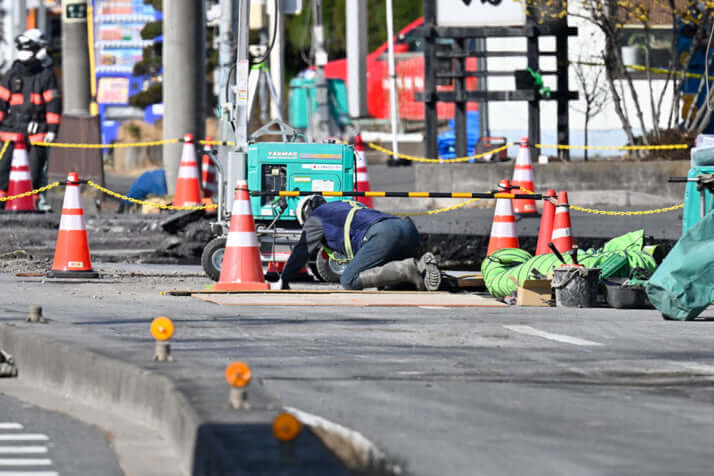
(328,269)
(212,257)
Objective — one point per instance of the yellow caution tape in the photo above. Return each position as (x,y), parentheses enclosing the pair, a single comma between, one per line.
(642,212)
(31,192)
(4,149)
(436,161)
(216,142)
(614,147)
(440,210)
(106,146)
(142,202)
(644,68)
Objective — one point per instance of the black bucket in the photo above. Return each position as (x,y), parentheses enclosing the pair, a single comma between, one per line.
(576,286)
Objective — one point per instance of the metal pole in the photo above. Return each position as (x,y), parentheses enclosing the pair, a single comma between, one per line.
(460,134)
(533,57)
(321,94)
(277,59)
(184,61)
(563,122)
(238,158)
(430,118)
(42,17)
(356,12)
(225,95)
(75,57)
(484,126)
(394,108)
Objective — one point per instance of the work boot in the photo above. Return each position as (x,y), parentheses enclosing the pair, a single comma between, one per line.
(423,274)
(43,205)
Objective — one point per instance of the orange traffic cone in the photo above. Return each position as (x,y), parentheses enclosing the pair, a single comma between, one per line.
(241,269)
(503,229)
(20,179)
(562,236)
(208,172)
(546,223)
(361,175)
(188,188)
(523,178)
(72,258)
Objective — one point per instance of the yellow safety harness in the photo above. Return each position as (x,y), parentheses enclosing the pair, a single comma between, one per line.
(349,254)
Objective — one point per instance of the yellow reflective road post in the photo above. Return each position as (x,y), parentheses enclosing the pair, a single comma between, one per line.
(162,328)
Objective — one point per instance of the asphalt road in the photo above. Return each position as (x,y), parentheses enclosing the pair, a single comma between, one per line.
(444,391)
(35,442)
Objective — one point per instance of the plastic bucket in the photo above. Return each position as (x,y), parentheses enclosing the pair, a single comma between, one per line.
(575,286)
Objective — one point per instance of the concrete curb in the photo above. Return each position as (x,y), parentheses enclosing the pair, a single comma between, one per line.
(207,436)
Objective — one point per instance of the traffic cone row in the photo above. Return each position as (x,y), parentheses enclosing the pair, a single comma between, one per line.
(241,269)
(361,175)
(72,259)
(188,187)
(208,172)
(555,224)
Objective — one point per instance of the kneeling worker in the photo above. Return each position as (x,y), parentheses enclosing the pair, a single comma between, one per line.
(381,247)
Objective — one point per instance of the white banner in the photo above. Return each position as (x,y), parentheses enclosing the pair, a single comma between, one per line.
(480,13)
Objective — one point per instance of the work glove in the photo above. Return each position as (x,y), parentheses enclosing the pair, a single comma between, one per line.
(32,127)
(50,137)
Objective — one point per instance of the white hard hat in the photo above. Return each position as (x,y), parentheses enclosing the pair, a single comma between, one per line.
(306,205)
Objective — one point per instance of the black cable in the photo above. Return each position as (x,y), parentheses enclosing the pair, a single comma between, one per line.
(275,35)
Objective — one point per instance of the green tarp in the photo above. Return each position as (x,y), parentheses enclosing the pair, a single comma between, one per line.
(683,285)
(502,269)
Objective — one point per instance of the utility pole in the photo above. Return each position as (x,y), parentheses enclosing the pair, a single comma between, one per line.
(75,58)
(356,11)
(184,79)
(225,63)
(322,119)
(394,105)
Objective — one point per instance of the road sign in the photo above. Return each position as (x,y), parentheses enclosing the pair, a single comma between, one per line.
(480,13)
(74,11)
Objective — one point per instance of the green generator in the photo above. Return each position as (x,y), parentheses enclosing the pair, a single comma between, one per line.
(276,166)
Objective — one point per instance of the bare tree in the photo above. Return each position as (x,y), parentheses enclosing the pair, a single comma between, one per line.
(595,94)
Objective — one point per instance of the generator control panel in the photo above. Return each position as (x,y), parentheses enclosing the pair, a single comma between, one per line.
(276,166)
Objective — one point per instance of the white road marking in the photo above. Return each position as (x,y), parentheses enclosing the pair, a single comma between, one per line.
(433,307)
(697,367)
(11,426)
(528,330)
(29,473)
(25,462)
(6,450)
(24,437)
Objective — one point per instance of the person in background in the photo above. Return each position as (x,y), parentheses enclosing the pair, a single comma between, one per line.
(30,105)
(381,248)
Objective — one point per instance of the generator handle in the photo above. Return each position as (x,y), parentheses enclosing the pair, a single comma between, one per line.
(682,179)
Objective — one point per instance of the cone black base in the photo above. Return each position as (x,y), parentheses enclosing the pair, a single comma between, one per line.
(72,274)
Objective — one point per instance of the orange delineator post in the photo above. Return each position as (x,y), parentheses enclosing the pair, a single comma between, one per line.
(503,229)
(242,269)
(72,259)
(546,223)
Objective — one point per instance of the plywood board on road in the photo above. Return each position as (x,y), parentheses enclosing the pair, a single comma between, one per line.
(357,299)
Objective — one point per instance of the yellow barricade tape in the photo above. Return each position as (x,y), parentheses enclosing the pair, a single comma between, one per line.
(142,202)
(440,210)
(436,161)
(642,212)
(4,149)
(217,142)
(614,147)
(31,192)
(106,146)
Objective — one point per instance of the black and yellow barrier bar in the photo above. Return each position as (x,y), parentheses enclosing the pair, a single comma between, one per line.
(487,195)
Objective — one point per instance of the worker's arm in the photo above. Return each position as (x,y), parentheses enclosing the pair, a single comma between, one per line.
(4,96)
(53,105)
(310,240)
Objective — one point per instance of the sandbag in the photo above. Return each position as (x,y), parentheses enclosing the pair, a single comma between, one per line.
(683,285)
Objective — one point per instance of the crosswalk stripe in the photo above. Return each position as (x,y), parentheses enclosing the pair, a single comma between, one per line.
(29,473)
(7,450)
(25,462)
(24,437)
(10,426)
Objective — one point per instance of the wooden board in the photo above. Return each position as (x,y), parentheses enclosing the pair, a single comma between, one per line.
(350,299)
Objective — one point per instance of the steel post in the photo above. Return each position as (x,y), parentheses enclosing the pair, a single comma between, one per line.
(356,12)
(75,57)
